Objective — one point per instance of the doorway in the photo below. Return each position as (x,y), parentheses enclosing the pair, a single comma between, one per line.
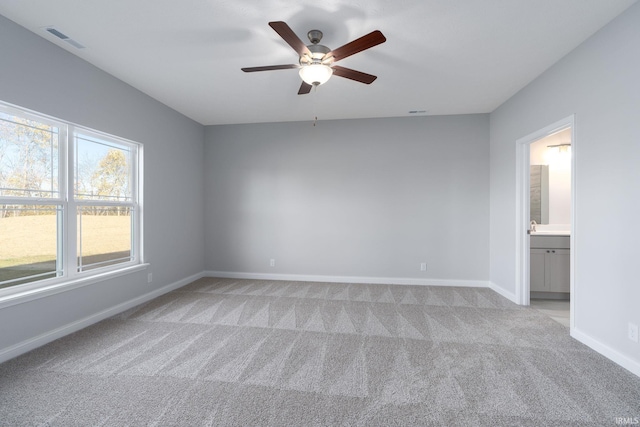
(553,143)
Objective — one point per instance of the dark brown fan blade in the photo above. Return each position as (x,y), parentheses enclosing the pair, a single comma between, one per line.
(348,73)
(372,39)
(305,88)
(290,37)
(269,68)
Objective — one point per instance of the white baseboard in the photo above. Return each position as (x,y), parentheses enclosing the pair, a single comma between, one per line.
(626,362)
(47,337)
(508,295)
(348,279)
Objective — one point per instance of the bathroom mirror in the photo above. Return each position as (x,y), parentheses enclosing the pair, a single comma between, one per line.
(539,194)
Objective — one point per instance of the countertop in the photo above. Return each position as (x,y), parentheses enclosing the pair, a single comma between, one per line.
(551,233)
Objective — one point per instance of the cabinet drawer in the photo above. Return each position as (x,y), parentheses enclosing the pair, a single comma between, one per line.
(550,242)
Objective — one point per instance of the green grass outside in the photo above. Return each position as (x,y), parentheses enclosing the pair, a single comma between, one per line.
(28,244)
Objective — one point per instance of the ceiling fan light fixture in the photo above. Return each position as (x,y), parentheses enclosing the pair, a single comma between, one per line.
(315,74)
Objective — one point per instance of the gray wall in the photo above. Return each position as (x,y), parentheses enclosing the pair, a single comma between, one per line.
(36,74)
(598,82)
(363,198)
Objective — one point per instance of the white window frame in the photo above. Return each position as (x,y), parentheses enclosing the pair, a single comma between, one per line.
(67,226)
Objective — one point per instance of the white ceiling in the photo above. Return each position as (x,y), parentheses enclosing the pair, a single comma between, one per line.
(441,56)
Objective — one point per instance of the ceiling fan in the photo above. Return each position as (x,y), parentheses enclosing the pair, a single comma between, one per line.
(316,63)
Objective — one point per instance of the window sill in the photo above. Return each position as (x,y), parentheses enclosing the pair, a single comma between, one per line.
(9,296)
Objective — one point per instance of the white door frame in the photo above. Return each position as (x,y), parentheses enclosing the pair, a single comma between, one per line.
(522,209)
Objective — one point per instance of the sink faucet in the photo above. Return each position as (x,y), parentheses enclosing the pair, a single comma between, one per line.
(533,225)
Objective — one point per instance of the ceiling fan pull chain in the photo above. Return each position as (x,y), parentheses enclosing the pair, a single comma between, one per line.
(315,104)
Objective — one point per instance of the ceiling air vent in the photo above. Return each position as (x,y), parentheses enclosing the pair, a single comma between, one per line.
(64,37)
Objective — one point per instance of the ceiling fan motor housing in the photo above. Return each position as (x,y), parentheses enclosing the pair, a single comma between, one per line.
(318,52)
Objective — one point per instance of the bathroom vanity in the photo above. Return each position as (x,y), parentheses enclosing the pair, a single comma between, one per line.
(550,265)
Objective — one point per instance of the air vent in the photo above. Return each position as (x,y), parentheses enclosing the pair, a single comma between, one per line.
(59,34)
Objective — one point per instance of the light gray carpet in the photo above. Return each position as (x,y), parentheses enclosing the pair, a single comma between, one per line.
(242,352)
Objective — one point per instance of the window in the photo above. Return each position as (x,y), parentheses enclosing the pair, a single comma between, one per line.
(69,201)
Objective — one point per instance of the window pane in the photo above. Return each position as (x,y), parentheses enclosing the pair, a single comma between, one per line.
(29,242)
(104,236)
(103,170)
(28,158)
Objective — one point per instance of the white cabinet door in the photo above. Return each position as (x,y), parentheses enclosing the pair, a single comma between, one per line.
(557,270)
(537,275)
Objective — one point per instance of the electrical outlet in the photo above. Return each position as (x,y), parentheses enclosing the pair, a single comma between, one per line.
(149,277)
(633,332)
(272,262)
(423,266)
